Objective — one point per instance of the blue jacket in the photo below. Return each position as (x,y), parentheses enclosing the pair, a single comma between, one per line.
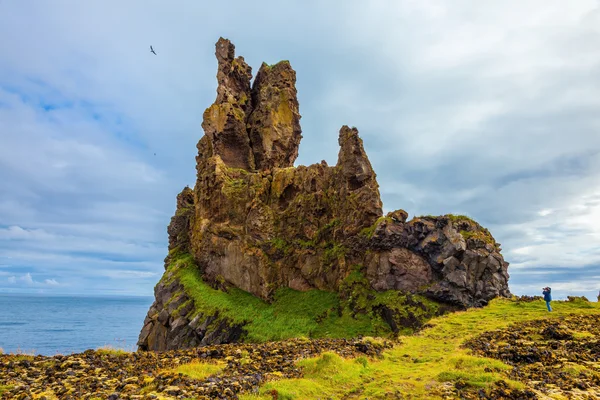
(547,295)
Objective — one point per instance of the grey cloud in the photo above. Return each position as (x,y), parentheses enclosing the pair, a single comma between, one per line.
(486,110)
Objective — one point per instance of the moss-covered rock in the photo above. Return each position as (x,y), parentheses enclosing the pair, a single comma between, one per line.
(257,224)
(190,312)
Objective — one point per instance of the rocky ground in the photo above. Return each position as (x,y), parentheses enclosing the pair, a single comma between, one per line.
(148,375)
(554,358)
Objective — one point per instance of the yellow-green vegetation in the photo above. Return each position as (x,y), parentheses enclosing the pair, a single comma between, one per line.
(277,63)
(183,210)
(234,187)
(292,313)
(407,311)
(284,114)
(200,370)
(4,388)
(482,235)
(280,245)
(49,395)
(321,376)
(332,253)
(111,350)
(369,231)
(21,356)
(318,241)
(421,363)
(459,218)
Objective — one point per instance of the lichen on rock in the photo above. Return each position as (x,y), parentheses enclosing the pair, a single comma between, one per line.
(256,223)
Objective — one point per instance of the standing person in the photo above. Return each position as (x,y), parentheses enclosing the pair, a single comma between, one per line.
(547,297)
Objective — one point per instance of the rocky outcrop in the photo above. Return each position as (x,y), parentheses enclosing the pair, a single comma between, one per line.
(179,228)
(451,259)
(255,222)
(274,124)
(172,324)
(225,121)
(286,226)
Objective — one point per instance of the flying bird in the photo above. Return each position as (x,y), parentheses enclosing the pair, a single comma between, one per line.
(152,50)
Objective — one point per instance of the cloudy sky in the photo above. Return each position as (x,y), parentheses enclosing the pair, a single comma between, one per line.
(489,109)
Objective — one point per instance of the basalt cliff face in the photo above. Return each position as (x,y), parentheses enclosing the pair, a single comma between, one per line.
(255,222)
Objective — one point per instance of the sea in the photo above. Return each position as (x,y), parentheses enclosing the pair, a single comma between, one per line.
(50,325)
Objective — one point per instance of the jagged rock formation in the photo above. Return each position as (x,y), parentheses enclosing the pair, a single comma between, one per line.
(255,222)
(451,259)
(172,323)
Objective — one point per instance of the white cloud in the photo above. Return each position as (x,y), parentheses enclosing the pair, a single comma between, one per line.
(51,282)
(27,279)
(484,109)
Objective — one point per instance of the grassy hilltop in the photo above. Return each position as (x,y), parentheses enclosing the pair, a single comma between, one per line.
(433,363)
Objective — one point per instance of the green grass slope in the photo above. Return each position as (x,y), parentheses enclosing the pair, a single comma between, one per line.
(422,364)
(310,314)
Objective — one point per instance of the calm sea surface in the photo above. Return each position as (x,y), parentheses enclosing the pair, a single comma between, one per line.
(62,325)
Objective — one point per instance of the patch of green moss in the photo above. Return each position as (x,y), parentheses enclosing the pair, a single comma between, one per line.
(333,252)
(183,211)
(331,224)
(5,388)
(369,231)
(235,172)
(280,245)
(305,244)
(277,63)
(233,188)
(321,239)
(292,313)
(238,113)
(355,290)
(200,370)
(483,235)
(181,307)
(237,66)
(243,99)
(405,311)
(459,218)
(110,350)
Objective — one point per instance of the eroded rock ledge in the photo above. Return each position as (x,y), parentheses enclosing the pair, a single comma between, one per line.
(255,222)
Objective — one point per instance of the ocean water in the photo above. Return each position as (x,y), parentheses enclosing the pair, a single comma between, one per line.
(50,325)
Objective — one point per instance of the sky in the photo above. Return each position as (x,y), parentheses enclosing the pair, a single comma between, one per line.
(488,109)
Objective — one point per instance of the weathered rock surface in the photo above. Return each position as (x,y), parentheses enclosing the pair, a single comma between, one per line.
(179,228)
(255,222)
(274,124)
(225,121)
